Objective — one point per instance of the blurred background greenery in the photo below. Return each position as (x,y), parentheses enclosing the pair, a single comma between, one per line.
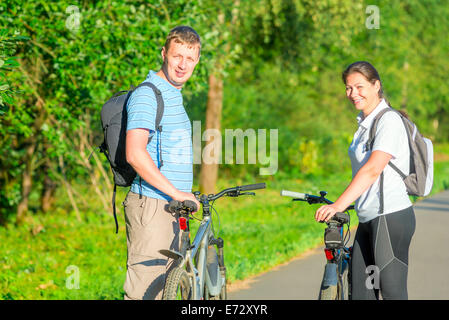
(275,64)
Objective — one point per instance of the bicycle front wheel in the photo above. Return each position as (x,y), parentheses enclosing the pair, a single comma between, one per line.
(178,285)
(345,281)
(329,289)
(328,293)
(215,276)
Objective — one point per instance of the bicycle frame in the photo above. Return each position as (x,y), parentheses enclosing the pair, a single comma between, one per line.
(194,256)
(338,261)
(199,270)
(198,252)
(338,256)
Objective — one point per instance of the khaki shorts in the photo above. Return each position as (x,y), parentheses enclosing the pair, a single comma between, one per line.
(149,228)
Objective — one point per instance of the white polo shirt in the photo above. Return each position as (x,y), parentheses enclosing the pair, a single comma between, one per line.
(391,138)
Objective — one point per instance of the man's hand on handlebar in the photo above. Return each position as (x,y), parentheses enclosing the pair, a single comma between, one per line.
(181,196)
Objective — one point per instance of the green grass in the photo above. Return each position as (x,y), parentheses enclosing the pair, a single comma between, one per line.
(259,232)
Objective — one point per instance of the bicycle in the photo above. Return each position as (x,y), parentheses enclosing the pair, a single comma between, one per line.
(200,272)
(336,283)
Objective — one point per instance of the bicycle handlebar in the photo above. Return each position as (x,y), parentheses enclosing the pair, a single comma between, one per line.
(311,199)
(296,195)
(190,206)
(253,186)
(234,192)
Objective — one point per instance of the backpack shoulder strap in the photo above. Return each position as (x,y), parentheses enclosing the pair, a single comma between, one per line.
(372,131)
(369,146)
(159,114)
(159,101)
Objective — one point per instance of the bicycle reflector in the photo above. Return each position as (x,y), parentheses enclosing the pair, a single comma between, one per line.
(329,255)
(182,223)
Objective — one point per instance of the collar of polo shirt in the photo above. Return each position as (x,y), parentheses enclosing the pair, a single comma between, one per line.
(366,123)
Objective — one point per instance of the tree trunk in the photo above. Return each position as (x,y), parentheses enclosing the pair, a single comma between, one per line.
(48,191)
(93,176)
(209,171)
(69,189)
(27,182)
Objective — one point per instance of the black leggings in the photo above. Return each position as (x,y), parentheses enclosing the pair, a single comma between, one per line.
(380,256)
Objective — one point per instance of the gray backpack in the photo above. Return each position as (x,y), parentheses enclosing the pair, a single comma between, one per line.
(114,121)
(420,180)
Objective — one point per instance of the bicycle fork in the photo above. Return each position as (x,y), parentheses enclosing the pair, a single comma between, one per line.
(338,261)
(216,271)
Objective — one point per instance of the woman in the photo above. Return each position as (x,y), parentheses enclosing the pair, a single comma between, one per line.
(381,245)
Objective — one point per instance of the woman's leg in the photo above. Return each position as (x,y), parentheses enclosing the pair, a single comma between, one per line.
(391,247)
(362,258)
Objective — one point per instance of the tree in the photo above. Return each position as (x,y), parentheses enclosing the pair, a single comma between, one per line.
(249,34)
(72,63)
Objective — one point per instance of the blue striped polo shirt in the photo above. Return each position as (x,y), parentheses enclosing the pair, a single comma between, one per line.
(175,139)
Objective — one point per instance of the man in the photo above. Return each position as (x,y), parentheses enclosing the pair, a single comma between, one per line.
(149,226)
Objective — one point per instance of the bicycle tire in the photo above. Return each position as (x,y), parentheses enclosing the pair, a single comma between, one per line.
(223,292)
(221,296)
(328,293)
(178,285)
(343,286)
(329,284)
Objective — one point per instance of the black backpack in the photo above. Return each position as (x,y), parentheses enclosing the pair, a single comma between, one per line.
(113,121)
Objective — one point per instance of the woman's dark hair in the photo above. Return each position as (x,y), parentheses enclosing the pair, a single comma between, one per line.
(367,70)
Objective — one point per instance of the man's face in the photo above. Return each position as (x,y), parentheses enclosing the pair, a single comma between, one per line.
(179,62)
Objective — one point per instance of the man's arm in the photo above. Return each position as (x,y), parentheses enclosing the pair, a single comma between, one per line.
(138,157)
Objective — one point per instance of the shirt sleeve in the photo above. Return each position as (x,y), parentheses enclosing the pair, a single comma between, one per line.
(390,134)
(141,109)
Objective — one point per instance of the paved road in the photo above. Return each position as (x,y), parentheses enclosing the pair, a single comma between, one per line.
(428,263)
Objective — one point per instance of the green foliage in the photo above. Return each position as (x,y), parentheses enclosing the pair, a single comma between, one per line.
(258,235)
(71,64)
(8,44)
(282,63)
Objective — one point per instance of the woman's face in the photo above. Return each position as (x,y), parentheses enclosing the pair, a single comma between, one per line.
(363,94)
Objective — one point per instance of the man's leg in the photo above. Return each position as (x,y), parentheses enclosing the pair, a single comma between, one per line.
(149,228)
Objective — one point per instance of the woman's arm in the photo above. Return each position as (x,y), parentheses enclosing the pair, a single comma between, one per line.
(364,178)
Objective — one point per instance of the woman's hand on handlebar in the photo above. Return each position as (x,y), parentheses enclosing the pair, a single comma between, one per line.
(324,213)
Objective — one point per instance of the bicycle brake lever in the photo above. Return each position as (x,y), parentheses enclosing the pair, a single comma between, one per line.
(247,193)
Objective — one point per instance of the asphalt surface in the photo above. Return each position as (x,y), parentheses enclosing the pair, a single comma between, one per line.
(428,277)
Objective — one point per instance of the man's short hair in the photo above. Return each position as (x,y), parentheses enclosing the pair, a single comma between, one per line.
(183,34)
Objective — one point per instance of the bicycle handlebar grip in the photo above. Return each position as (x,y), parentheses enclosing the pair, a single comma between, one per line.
(296,195)
(341,217)
(190,205)
(174,205)
(253,186)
